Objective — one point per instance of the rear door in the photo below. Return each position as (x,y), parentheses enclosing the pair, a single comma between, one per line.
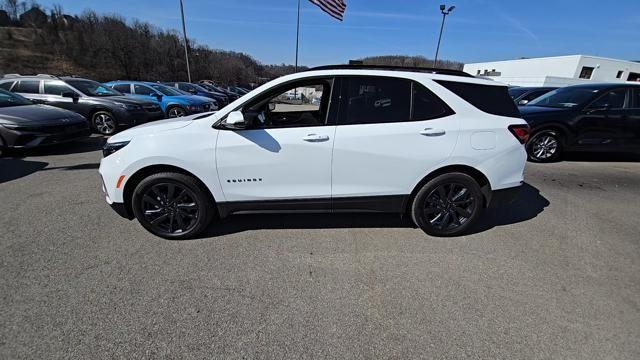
(390,132)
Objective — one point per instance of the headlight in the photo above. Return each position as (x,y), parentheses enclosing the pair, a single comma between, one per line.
(129,106)
(110,148)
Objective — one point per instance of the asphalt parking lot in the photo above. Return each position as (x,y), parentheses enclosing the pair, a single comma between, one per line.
(556,275)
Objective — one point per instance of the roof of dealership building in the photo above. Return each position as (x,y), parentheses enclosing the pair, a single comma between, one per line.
(557,70)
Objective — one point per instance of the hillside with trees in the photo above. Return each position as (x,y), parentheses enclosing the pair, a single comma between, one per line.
(105,47)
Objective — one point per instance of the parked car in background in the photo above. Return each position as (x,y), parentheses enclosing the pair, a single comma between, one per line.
(211,87)
(438,146)
(106,109)
(195,89)
(172,102)
(24,124)
(523,95)
(589,117)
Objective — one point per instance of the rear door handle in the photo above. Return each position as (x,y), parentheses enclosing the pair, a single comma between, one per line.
(432,132)
(315,138)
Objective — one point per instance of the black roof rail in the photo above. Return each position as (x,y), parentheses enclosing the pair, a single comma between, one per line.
(394,68)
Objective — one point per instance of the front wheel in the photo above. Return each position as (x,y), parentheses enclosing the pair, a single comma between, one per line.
(104,122)
(545,146)
(172,205)
(176,111)
(448,205)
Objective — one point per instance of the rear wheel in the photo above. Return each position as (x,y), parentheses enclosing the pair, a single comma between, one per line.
(448,205)
(104,122)
(172,205)
(545,146)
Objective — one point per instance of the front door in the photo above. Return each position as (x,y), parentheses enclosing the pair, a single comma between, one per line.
(285,154)
(603,124)
(52,95)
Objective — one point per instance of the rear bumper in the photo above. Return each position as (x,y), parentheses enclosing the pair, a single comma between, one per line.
(503,197)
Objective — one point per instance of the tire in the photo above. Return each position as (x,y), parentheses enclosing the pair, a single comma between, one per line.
(104,123)
(3,149)
(176,111)
(460,209)
(545,146)
(179,214)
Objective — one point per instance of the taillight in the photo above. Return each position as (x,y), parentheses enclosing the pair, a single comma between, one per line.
(521,132)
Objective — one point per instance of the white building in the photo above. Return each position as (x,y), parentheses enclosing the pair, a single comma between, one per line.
(557,70)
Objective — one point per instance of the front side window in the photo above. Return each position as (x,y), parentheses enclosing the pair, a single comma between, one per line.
(93,88)
(302,104)
(614,99)
(27,87)
(143,90)
(56,88)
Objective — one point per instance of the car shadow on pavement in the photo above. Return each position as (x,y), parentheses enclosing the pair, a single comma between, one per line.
(528,204)
(12,169)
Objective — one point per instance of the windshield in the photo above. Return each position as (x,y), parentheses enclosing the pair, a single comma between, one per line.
(166,90)
(9,99)
(92,88)
(516,92)
(565,97)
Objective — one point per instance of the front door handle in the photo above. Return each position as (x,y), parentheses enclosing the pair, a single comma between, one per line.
(432,132)
(315,138)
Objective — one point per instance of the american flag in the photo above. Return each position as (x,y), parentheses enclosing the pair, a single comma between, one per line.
(335,8)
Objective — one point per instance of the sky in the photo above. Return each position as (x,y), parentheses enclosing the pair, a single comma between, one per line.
(476,31)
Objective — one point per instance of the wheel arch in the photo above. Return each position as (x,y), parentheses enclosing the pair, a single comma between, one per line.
(142,173)
(477,175)
(565,133)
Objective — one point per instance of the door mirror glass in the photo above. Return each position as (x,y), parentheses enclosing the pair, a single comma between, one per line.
(70,94)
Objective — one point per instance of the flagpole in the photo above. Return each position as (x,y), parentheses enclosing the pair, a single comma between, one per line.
(297,36)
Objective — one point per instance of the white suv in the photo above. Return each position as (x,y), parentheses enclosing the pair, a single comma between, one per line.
(438,145)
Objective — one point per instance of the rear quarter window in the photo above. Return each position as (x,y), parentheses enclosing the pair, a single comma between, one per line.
(488,98)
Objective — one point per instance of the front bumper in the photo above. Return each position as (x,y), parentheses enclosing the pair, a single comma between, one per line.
(503,197)
(133,118)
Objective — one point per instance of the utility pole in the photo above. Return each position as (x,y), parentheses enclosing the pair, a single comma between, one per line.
(444,15)
(186,44)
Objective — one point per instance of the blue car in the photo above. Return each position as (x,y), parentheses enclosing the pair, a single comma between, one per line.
(172,102)
(195,89)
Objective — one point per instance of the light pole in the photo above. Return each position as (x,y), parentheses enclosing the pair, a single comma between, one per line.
(444,16)
(186,45)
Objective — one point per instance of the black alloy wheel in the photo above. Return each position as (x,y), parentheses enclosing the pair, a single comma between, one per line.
(447,205)
(105,123)
(544,146)
(172,205)
(176,111)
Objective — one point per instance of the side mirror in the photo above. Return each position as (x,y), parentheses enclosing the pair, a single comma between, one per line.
(235,120)
(596,109)
(193,91)
(523,102)
(70,94)
(272,106)
(158,96)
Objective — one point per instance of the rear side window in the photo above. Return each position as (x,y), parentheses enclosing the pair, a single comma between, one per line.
(6,85)
(27,86)
(123,88)
(56,88)
(488,98)
(372,100)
